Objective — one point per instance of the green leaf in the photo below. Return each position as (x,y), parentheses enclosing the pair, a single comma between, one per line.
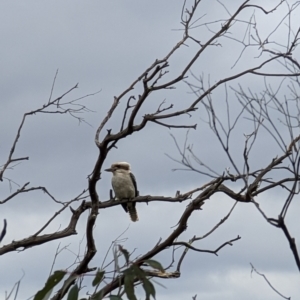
(149,288)
(68,282)
(52,281)
(73,294)
(98,278)
(138,272)
(155,265)
(129,287)
(125,253)
(97,296)
(114,297)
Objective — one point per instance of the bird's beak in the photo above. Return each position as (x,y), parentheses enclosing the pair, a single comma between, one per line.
(109,170)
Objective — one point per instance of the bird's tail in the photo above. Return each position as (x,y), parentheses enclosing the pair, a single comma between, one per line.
(132,212)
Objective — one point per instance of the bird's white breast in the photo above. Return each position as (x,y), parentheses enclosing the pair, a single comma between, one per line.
(123,186)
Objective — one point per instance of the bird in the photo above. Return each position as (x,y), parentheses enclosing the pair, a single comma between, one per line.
(124,186)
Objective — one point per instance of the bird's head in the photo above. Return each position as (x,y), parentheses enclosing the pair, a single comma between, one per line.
(119,167)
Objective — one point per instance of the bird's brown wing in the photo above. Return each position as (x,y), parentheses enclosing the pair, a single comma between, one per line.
(135,188)
(134,184)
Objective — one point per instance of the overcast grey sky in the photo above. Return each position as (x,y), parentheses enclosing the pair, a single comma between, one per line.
(104,46)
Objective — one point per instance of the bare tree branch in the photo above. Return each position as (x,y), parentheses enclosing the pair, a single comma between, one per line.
(268,282)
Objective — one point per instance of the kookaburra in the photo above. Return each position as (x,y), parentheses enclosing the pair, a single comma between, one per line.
(124,185)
